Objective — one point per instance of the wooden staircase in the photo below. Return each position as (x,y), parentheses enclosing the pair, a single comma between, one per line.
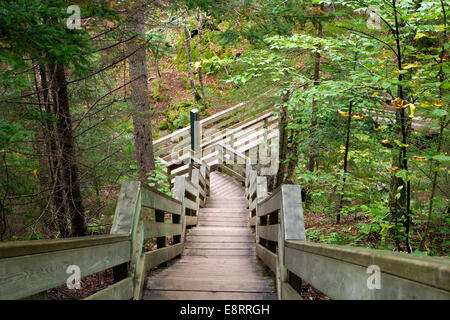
(219,260)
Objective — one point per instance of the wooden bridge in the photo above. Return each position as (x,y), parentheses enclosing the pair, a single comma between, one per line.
(229,237)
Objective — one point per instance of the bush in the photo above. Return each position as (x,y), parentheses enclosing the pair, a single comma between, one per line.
(177,115)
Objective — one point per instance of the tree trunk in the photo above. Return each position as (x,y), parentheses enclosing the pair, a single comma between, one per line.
(143,141)
(400,206)
(200,53)
(347,145)
(312,157)
(68,159)
(187,35)
(441,133)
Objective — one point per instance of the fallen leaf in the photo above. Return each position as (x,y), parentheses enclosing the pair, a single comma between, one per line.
(412,107)
(380,128)
(398,103)
(392,169)
(342,113)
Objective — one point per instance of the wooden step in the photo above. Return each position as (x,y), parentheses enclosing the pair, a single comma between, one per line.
(225,210)
(219,252)
(230,219)
(167,283)
(222,224)
(206,295)
(219,260)
(219,245)
(220,238)
(216,231)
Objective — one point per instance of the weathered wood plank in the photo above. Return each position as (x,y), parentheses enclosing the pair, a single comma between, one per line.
(155,199)
(232,172)
(229,224)
(122,290)
(289,293)
(212,231)
(206,295)
(269,232)
(161,229)
(269,258)
(294,228)
(432,271)
(190,204)
(220,252)
(191,188)
(209,285)
(219,245)
(269,204)
(343,280)
(222,218)
(191,220)
(21,248)
(127,208)
(220,238)
(26,275)
(156,257)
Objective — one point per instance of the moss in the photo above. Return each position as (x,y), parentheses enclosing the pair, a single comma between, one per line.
(185,81)
(157,92)
(177,115)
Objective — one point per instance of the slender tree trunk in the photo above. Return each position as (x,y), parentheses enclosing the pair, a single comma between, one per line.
(143,141)
(312,157)
(187,36)
(400,206)
(441,133)
(72,190)
(347,145)
(200,53)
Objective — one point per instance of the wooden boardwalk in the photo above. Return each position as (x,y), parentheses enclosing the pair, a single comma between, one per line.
(219,260)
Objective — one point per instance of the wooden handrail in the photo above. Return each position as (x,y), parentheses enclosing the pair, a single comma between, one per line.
(340,272)
(30,247)
(30,267)
(205,123)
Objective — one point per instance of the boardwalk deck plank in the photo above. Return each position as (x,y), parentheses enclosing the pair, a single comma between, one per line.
(219,260)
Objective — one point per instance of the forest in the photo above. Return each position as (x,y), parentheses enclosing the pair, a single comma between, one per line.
(360,88)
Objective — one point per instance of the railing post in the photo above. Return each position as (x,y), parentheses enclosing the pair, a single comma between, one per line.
(126,220)
(195,132)
(195,182)
(178,194)
(261,193)
(204,173)
(219,156)
(292,227)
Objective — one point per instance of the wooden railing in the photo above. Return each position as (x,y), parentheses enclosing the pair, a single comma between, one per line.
(29,268)
(341,272)
(241,135)
(230,118)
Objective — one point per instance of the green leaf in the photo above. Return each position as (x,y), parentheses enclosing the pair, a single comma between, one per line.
(441,157)
(403,174)
(439,113)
